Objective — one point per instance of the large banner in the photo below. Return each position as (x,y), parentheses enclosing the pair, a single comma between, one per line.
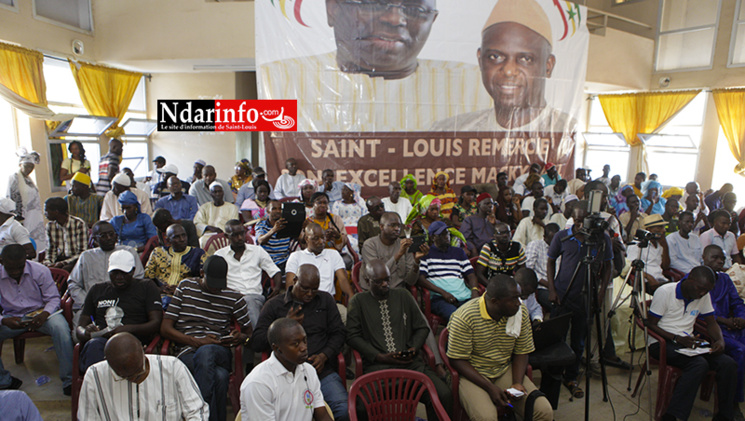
(426,85)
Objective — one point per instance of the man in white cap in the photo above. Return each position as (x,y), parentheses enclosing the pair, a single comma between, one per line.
(123,304)
(197,175)
(119,185)
(200,189)
(168,171)
(213,215)
(515,60)
(12,231)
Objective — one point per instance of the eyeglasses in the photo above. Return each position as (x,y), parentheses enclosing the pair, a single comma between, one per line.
(380,6)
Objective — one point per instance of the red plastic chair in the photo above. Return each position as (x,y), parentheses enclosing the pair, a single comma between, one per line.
(668,377)
(355,256)
(393,395)
(356,277)
(77,377)
(151,244)
(216,242)
(673,275)
(340,361)
(60,279)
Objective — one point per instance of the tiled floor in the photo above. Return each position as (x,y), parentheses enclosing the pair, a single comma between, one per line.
(41,360)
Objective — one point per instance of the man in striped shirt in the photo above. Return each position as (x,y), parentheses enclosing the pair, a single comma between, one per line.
(499,256)
(108,166)
(446,271)
(489,348)
(266,235)
(198,320)
(131,385)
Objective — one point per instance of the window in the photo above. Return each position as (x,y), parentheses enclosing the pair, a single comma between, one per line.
(606,148)
(724,169)
(9,5)
(73,14)
(686,34)
(737,43)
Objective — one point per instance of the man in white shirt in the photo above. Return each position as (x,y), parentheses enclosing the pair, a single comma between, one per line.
(672,315)
(132,385)
(684,246)
(330,186)
(556,194)
(720,235)
(119,185)
(12,231)
(329,262)
(213,215)
(287,183)
(580,178)
(531,229)
(245,264)
(284,387)
(393,204)
(519,186)
(656,256)
(536,258)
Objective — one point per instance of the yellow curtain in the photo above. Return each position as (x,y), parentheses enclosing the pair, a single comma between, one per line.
(105,92)
(21,72)
(731,111)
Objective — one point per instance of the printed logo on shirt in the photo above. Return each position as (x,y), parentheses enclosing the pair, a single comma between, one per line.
(107,303)
(695,313)
(308,398)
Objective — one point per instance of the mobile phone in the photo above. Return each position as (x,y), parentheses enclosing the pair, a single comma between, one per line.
(418,241)
(407,353)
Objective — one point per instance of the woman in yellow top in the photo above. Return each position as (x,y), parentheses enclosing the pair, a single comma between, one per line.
(442,191)
(241,177)
(76,162)
(333,225)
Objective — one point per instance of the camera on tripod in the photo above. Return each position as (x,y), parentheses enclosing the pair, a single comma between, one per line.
(594,224)
(643,237)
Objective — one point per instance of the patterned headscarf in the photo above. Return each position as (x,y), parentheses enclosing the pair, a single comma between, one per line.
(245,165)
(26,157)
(420,208)
(447,179)
(407,177)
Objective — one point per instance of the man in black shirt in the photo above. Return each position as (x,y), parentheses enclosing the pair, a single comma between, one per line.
(123,304)
(316,311)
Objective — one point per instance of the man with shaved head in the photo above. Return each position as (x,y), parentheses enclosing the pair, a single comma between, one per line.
(213,215)
(200,189)
(181,206)
(150,387)
(317,312)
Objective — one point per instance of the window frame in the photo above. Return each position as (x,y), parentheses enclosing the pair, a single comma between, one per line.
(62,24)
(10,7)
(660,32)
(733,37)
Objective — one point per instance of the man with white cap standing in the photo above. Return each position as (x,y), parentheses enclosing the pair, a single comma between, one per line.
(516,60)
(197,175)
(119,185)
(12,231)
(123,304)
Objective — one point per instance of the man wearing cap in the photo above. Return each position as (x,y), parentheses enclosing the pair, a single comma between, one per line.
(81,202)
(122,304)
(197,175)
(198,322)
(67,235)
(446,271)
(552,175)
(515,60)
(12,231)
(121,183)
(93,265)
(108,166)
(656,256)
(376,57)
(213,215)
(479,229)
(167,171)
(316,311)
(181,206)
(288,182)
(200,189)
(30,302)
(154,178)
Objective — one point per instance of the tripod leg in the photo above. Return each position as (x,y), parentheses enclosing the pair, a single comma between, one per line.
(600,338)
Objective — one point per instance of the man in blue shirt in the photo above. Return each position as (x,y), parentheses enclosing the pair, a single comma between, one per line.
(181,206)
(330,186)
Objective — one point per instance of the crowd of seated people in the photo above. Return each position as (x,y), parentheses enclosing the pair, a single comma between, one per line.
(143,265)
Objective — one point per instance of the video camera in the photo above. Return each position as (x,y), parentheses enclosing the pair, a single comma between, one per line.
(643,237)
(594,224)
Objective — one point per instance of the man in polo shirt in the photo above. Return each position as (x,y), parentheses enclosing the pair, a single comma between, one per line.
(245,264)
(284,387)
(672,316)
(446,271)
(266,235)
(490,352)
(499,256)
(572,252)
(316,311)
(181,206)
(720,235)
(683,245)
(328,261)
(198,321)
(383,323)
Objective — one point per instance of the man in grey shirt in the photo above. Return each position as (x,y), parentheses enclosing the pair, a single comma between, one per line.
(394,251)
(200,189)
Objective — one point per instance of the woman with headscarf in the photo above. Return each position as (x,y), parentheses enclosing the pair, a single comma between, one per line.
(674,193)
(307,188)
(508,208)
(619,202)
(333,226)
(134,228)
(74,163)
(652,202)
(465,207)
(23,191)
(441,189)
(351,207)
(424,213)
(241,177)
(409,189)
